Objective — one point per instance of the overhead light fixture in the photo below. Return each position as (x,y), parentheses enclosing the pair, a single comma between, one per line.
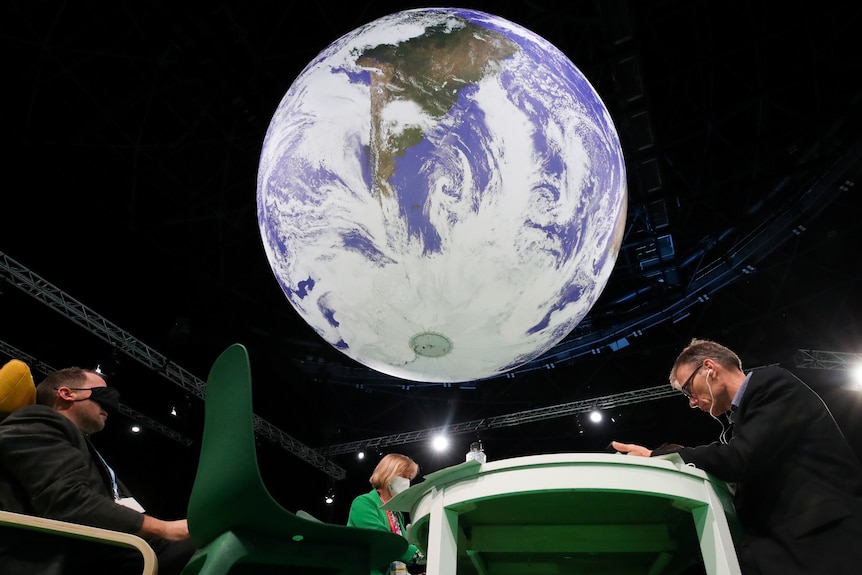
(856,375)
(182,408)
(440,443)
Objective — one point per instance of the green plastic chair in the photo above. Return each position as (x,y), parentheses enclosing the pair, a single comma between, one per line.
(236,524)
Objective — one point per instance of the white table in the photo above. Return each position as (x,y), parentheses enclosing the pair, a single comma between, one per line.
(571,513)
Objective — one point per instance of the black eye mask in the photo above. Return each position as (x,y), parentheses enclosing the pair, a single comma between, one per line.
(107,397)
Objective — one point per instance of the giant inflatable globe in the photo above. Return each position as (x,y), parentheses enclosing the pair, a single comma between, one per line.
(441,195)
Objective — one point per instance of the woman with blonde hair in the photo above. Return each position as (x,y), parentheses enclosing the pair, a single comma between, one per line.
(392,475)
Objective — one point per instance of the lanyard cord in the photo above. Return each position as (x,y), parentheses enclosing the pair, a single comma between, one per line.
(394,520)
(115,491)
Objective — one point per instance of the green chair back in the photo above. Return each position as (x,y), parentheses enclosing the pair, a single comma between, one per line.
(233,519)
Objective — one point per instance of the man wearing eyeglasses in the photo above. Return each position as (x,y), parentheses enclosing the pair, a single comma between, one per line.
(798,483)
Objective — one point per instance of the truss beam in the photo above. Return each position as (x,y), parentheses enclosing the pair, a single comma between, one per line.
(512,419)
(817,359)
(36,365)
(25,280)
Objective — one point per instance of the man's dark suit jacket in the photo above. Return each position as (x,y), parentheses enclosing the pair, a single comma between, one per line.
(47,468)
(799,484)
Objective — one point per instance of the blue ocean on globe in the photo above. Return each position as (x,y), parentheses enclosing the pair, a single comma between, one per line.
(441,195)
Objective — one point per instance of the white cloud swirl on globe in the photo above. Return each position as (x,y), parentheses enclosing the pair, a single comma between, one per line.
(493,229)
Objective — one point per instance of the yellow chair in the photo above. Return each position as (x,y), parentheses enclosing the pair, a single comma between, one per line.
(17,390)
(16,387)
(234,521)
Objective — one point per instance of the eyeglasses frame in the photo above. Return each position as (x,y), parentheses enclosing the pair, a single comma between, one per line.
(685,388)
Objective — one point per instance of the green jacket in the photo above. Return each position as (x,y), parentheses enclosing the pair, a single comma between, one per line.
(365,511)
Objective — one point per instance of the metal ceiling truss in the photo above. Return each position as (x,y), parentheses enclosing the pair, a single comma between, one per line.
(25,280)
(35,365)
(804,358)
(816,359)
(510,420)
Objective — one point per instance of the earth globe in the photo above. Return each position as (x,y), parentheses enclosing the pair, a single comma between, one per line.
(441,195)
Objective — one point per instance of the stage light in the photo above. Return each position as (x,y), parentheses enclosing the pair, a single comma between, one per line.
(856,374)
(440,443)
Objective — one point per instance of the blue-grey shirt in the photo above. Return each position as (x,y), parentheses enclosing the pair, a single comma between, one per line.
(734,403)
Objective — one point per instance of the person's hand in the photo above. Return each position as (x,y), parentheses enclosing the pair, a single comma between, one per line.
(176,530)
(416,566)
(631,449)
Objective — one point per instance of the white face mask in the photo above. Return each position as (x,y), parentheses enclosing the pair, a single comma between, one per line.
(398,485)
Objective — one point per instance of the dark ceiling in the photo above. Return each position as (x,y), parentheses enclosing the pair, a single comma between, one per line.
(133,131)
